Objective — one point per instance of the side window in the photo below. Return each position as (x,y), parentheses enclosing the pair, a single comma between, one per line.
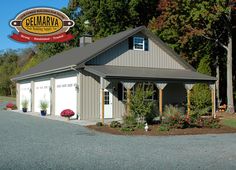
(124,93)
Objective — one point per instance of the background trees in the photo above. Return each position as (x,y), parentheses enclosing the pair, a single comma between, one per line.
(198,30)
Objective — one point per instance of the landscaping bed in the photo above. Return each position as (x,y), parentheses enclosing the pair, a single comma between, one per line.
(153,131)
(227,125)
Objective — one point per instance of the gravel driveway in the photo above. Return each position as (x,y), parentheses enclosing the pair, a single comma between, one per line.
(28,142)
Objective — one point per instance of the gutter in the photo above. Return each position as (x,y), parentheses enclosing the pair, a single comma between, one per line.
(68,68)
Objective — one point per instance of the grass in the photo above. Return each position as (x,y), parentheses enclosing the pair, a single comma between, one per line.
(4,100)
(7,99)
(229,122)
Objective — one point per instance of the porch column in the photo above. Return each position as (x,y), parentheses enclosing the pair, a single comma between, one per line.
(32,96)
(160,87)
(18,96)
(128,86)
(213,99)
(188,87)
(102,98)
(52,96)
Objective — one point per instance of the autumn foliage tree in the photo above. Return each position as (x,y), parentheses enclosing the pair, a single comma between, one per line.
(198,28)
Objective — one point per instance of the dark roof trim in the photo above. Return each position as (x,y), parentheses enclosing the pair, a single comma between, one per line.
(44,73)
(122,72)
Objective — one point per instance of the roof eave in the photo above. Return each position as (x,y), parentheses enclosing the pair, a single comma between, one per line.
(44,73)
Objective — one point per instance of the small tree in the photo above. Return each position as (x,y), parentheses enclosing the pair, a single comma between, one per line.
(201,94)
(140,105)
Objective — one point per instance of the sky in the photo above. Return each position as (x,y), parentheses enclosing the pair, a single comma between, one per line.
(10,9)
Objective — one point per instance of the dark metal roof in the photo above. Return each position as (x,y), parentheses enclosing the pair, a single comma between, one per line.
(147,73)
(77,57)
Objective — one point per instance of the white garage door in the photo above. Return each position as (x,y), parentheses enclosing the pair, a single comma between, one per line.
(25,94)
(42,93)
(65,95)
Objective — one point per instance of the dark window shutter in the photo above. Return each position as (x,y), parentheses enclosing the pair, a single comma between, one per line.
(155,93)
(146,44)
(130,41)
(120,91)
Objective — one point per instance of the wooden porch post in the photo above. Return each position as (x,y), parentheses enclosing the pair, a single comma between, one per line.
(102,99)
(128,100)
(160,104)
(188,87)
(213,100)
(128,85)
(160,87)
(188,103)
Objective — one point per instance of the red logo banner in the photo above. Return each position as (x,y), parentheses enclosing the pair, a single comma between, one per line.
(53,38)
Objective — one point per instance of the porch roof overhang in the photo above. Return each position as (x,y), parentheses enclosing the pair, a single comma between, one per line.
(143,73)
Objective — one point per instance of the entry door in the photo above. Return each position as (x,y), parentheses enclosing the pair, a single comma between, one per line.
(107,104)
(66,95)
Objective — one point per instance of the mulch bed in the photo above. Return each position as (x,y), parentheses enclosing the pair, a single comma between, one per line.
(155,132)
(154,129)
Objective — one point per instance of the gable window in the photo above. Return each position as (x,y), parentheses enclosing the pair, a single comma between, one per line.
(138,43)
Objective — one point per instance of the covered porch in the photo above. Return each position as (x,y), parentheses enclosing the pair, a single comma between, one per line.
(171,86)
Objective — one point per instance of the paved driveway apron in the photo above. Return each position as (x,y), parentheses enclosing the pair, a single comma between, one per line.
(28,142)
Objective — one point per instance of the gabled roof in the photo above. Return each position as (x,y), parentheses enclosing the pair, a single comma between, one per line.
(77,57)
(124,72)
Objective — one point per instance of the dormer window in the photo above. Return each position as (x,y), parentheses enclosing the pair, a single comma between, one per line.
(138,43)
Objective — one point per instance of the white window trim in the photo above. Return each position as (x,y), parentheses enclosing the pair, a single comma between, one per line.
(123,93)
(142,43)
(133,90)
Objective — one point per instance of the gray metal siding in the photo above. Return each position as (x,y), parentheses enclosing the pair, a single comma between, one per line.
(120,55)
(89,95)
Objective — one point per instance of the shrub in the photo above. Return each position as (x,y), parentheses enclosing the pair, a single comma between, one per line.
(24,103)
(174,117)
(201,94)
(129,123)
(164,127)
(43,105)
(208,122)
(99,124)
(67,113)
(11,105)
(115,124)
(196,113)
(127,128)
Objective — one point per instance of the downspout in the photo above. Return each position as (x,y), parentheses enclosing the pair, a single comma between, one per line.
(78,98)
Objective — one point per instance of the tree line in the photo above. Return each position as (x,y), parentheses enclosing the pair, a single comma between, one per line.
(201,32)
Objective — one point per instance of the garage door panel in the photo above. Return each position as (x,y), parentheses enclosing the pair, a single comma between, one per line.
(65,95)
(42,93)
(25,94)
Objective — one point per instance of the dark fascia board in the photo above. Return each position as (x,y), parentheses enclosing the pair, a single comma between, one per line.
(168,50)
(165,80)
(104,75)
(42,73)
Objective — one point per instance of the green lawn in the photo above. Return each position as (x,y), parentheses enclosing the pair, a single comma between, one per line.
(7,99)
(229,122)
